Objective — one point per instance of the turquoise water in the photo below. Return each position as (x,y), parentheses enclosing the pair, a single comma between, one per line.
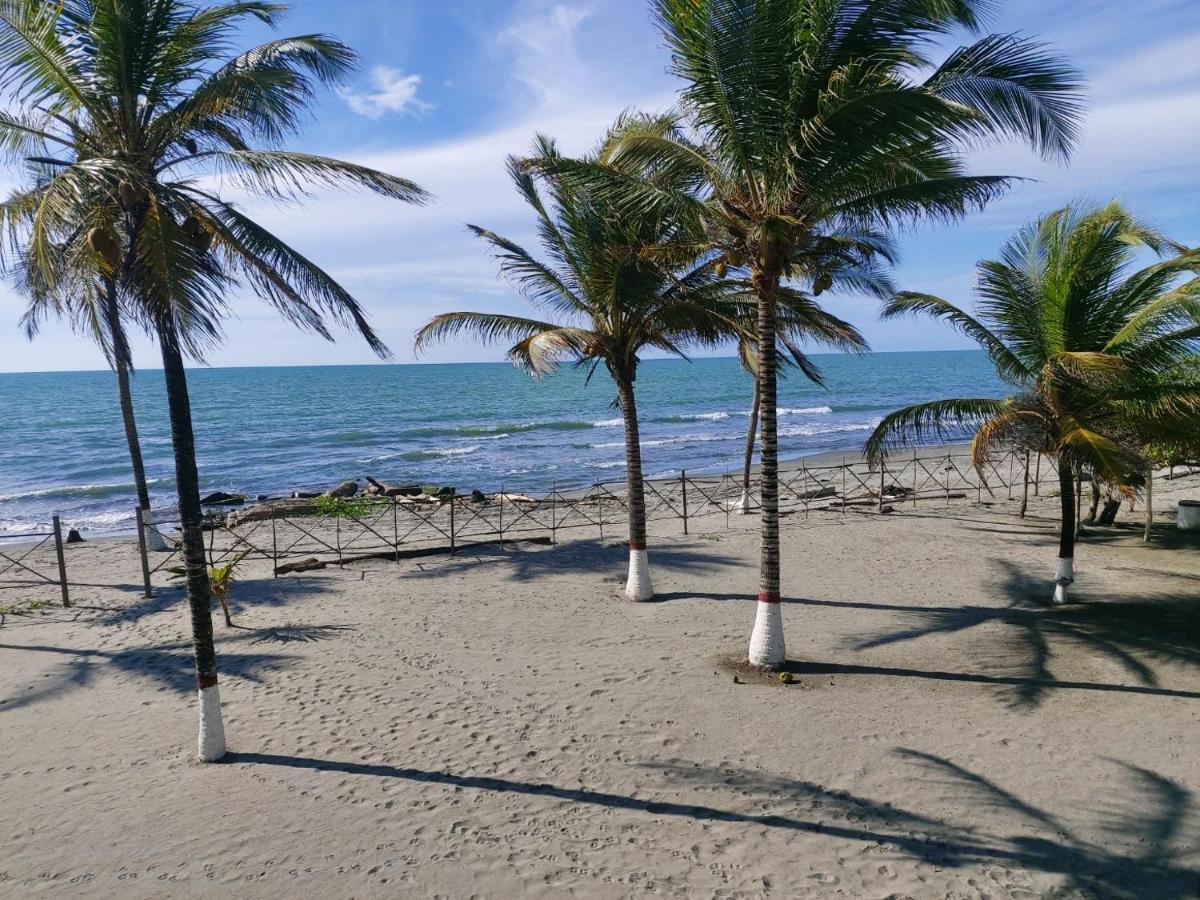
(486,426)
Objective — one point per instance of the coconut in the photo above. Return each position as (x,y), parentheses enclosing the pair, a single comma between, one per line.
(131,194)
(105,243)
(823,283)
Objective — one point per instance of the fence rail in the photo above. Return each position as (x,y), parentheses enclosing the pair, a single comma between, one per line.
(23,565)
(400,527)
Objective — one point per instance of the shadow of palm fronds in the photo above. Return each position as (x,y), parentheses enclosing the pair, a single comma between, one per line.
(1023,636)
(297,634)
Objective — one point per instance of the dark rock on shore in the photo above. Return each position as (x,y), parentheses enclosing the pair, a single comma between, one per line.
(221,498)
(343,490)
(477,496)
(74,537)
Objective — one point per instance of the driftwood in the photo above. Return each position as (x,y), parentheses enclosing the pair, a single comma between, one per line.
(300,565)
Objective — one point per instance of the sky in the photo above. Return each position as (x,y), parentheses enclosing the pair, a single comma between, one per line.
(446,90)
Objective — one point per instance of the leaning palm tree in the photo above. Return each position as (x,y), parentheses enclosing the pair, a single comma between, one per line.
(137,100)
(88,298)
(617,283)
(814,117)
(1085,341)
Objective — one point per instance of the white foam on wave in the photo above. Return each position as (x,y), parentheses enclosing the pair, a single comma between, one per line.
(707,417)
(818,430)
(805,410)
(608,423)
(663,442)
(454,451)
(99,489)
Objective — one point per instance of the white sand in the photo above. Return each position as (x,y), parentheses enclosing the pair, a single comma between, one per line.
(501,724)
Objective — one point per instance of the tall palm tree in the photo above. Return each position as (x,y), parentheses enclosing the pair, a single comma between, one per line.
(89,299)
(137,101)
(795,316)
(1086,342)
(814,117)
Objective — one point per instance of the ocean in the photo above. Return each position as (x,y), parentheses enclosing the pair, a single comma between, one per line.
(478,425)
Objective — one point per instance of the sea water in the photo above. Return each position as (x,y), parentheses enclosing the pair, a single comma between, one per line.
(475,425)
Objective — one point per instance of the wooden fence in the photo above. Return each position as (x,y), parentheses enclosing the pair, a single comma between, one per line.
(402,527)
(38,559)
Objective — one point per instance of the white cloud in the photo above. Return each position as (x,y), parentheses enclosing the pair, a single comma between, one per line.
(392,92)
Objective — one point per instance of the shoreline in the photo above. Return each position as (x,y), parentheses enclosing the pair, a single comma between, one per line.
(821,459)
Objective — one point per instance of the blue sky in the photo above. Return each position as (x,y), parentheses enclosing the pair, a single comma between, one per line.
(447,89)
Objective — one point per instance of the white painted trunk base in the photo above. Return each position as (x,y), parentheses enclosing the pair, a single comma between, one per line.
(154,540)
(212,728)
(638,587)
(1187,515)
(1064,574)
(767,648)
(742,504)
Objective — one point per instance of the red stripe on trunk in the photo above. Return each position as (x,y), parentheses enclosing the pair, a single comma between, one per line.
(768,598)
(633,545)
(206,681)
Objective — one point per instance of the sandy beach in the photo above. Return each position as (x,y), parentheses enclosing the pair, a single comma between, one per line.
(499,724)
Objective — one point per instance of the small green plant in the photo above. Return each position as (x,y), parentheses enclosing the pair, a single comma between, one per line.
(22,607)
(341,507)
(220,579)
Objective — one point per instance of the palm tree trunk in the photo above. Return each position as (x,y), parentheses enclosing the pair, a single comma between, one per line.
(131,435)
(767,647)
(748,460)
(1094,508)
(212,731)
(120,353)
(1149,502)
(638,586)
(1065,572)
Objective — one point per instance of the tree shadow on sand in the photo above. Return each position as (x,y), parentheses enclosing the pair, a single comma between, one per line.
(169,666)
(587,556)
(1142,840)
(246,594)
(1132,632)
(1145,845)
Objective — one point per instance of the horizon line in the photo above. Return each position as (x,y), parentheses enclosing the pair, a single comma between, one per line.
(477,362)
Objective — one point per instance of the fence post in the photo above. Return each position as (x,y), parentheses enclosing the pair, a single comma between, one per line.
(141,527)
(396,529)
(337,532)
(946,472)
(804,485)
(1011,461)
(599,509)
(553,507)
(1037,475)
(452,499)
(62,562)
(916,467)
(1025,487)
(843,485)
(502,496)
(882,472)
(683,482)
(274,548)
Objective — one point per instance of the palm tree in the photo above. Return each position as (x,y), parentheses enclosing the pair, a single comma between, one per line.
(819,117)
(1086,342)
(616,283)
(799,318)
(137,102)
(89,298)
